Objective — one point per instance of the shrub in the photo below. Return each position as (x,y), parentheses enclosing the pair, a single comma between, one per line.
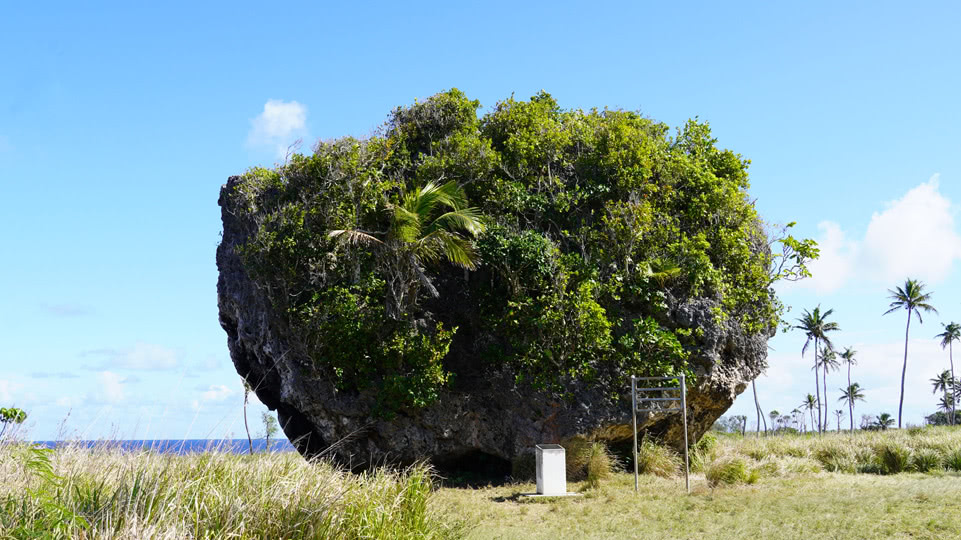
(893,458)
(730,470)
(586,460)
(835,458)
(703,451)
(600,464)
(925,460)
(953,460)
(658,460)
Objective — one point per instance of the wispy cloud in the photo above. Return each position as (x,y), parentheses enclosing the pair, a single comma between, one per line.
(214,392)
(278,126)
(142,356)
(111,388)
(914,236)
(58,375)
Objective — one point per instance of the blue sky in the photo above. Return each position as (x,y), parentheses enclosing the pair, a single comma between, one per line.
(119,123)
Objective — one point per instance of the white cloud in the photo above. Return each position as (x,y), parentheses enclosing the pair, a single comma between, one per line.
(214,392)
(836,262)
(278,125)
(111,388)
(878,371)
(144,356)
(914,237)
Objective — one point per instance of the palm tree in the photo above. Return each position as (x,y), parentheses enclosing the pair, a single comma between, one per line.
(884,421)
(952,333)
(774,415)
(913,299)
(945,404)
(829,362)
(839,413)
(418,236)
(809,403)
(851,394)
(944,383)
(816,326)
(847,356)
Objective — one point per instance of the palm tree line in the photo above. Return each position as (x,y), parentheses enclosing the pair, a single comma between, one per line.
(818,327)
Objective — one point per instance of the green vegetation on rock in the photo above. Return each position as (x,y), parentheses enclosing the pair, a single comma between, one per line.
(552,242)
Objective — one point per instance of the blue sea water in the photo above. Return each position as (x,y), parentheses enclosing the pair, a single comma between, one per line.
(175,446)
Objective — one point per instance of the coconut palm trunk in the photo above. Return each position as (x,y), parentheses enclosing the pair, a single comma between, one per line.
(953,385)
(953,380)
(904,368)
(850,403)
(817,385)
(824,381)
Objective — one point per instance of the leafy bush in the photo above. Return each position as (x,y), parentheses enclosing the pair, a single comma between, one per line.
(580,224)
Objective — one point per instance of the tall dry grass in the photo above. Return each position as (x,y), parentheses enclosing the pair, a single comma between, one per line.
(107,493)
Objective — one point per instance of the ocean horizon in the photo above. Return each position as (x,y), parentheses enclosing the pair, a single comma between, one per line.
(176,446)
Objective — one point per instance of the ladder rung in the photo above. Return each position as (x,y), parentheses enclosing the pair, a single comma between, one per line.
(659,399)
(655,378)
(652,389)
(676,409)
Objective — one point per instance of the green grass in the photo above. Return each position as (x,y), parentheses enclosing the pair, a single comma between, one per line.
(109,494)
(898,484)
(781,487)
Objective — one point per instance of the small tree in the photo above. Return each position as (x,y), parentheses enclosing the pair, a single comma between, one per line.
(839,413)
(11,415)
(852,393)
(883,421)
(270,427)
(250,442)
(945,383)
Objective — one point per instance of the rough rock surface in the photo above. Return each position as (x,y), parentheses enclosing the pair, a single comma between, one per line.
(482,416)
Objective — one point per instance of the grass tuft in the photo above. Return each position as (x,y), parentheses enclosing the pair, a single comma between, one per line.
(652,458)
(730,470)
(109,493)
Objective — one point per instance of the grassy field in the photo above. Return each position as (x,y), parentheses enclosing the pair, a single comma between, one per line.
(903,484)
(863,486)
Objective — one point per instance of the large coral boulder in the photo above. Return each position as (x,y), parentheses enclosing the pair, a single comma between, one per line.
(460,289)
